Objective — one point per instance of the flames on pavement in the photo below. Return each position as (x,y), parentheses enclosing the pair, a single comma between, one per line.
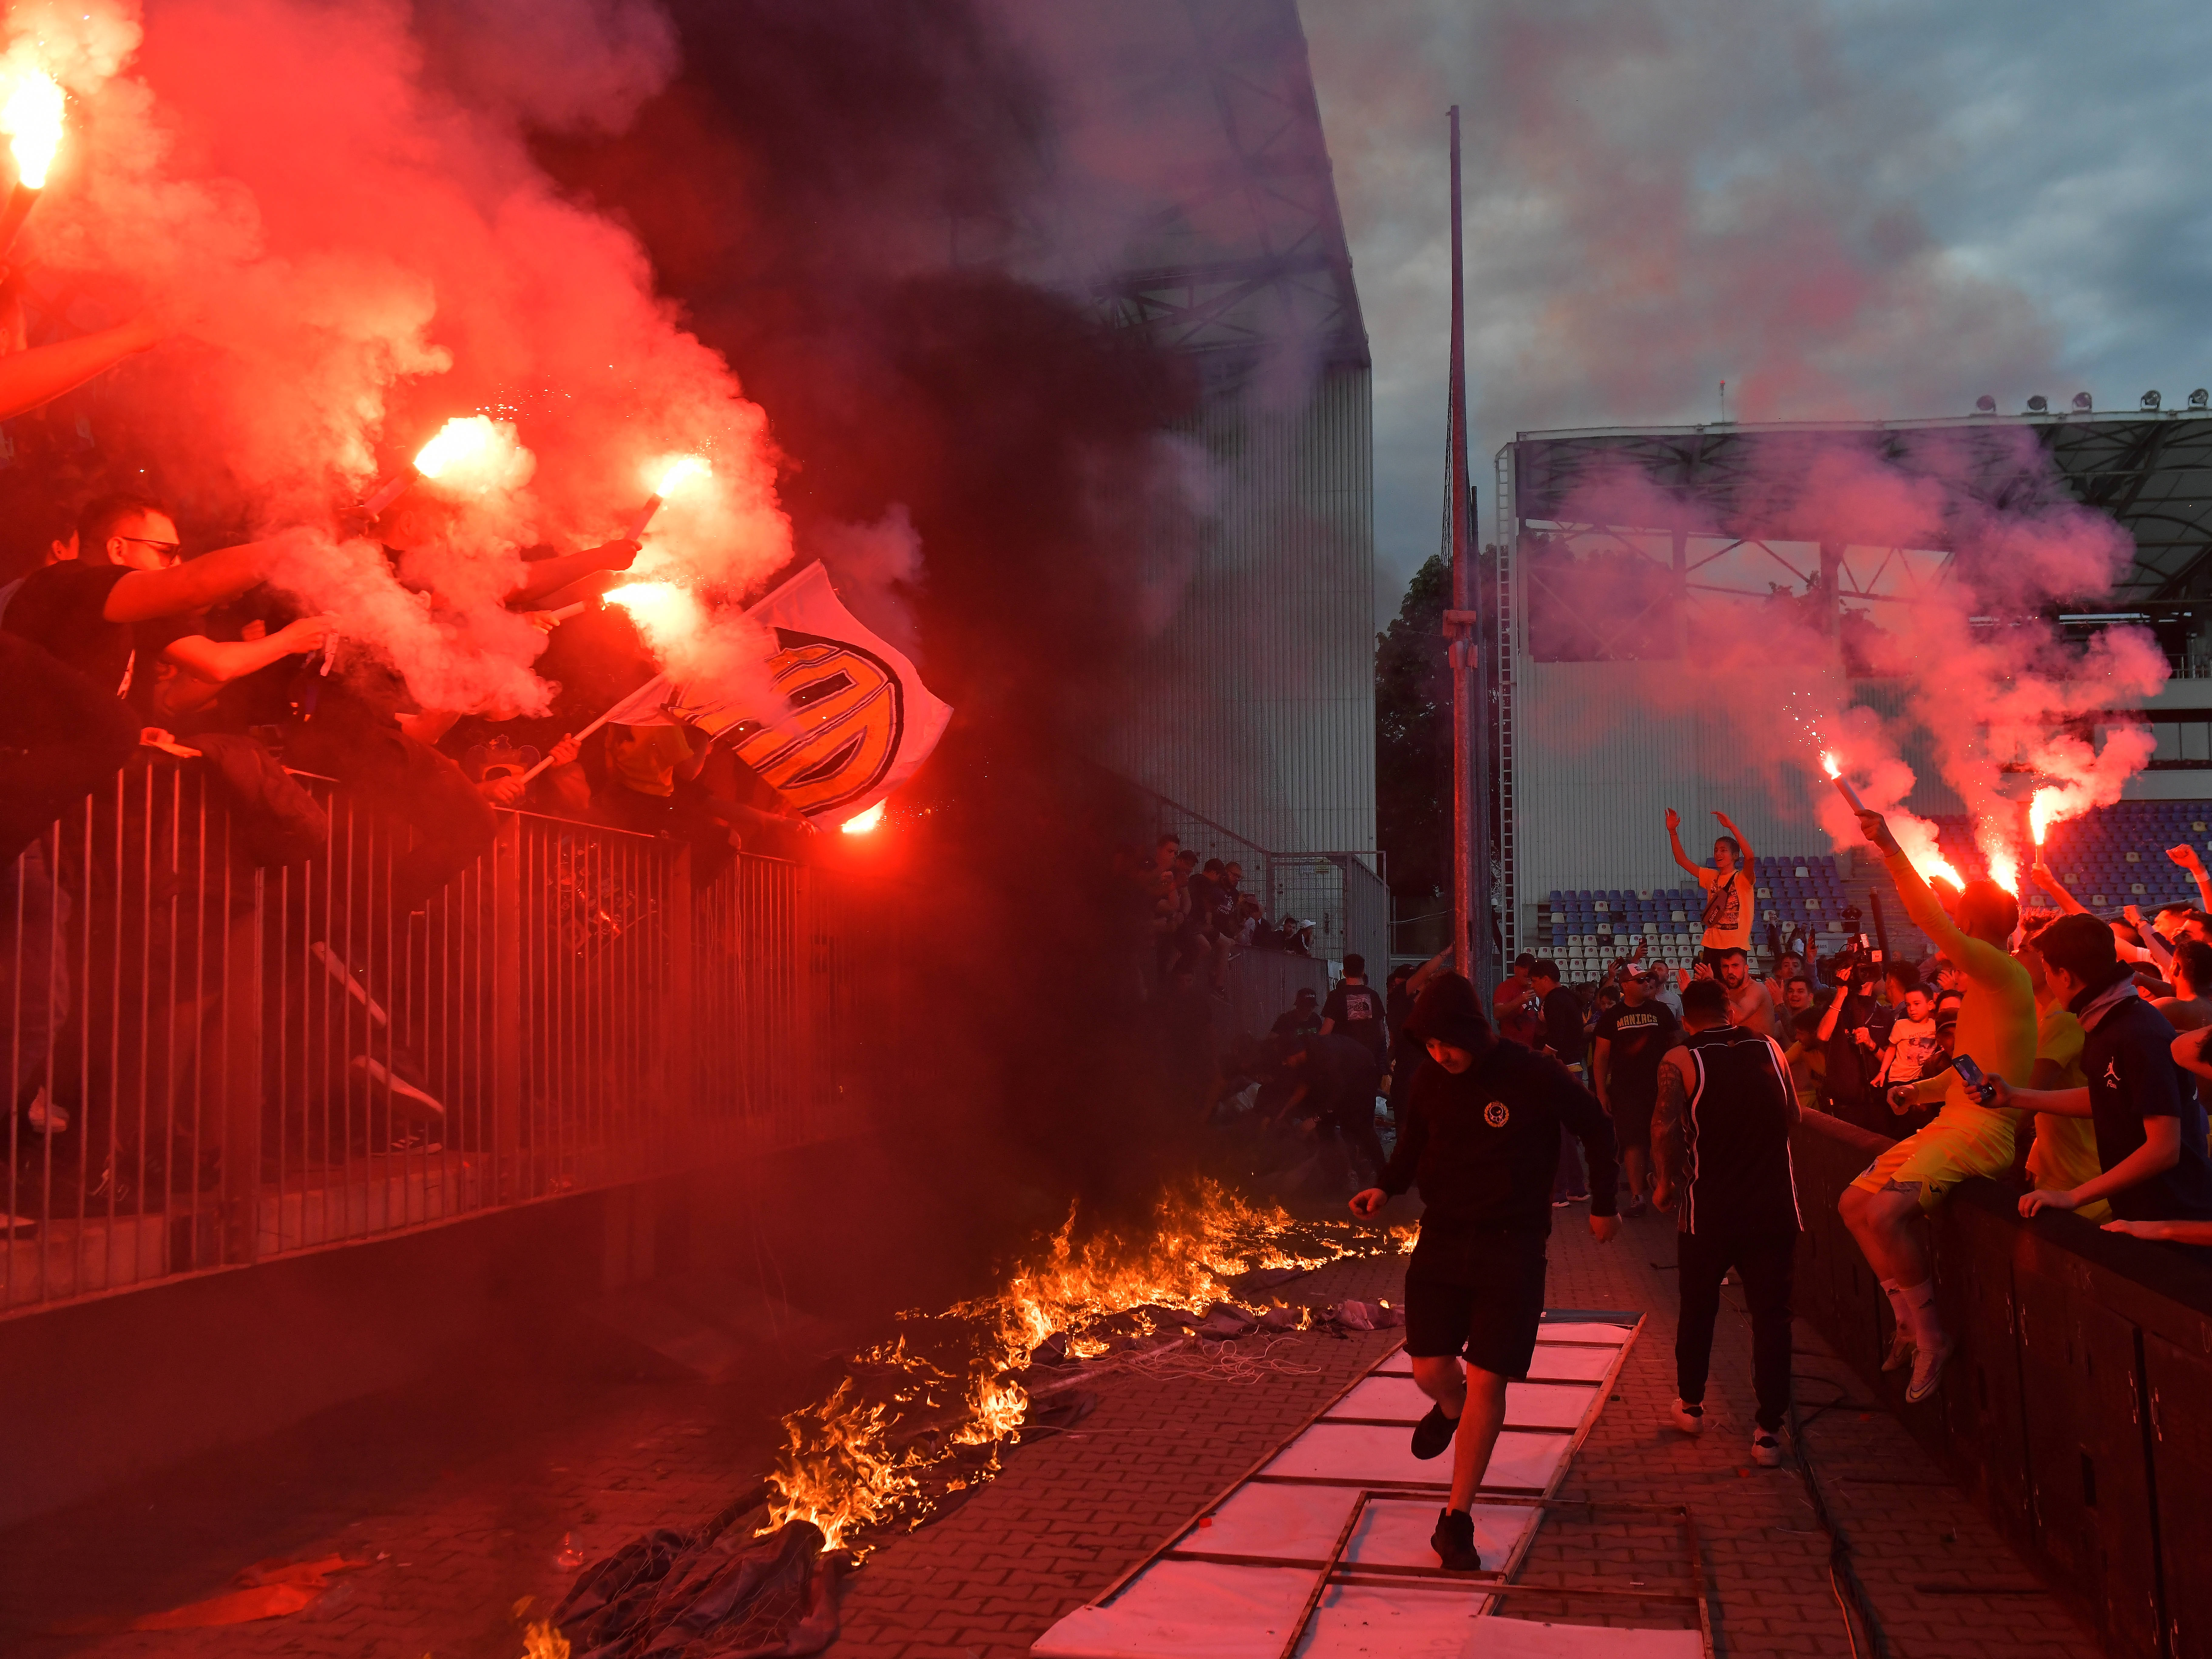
(924,1416)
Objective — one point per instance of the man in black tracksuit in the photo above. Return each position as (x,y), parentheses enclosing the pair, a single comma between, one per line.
(1481,1140)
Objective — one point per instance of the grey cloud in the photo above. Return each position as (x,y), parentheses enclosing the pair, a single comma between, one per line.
(1857,208)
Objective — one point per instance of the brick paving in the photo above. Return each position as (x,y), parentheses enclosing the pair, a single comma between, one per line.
(464,1534)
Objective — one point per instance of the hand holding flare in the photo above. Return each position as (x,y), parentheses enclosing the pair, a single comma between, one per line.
(1835,772)
(687,466)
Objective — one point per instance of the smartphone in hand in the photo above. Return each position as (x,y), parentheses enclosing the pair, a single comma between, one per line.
(1976,1080)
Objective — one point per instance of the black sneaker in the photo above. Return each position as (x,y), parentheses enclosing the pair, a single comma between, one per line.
(1454,1542)
(1433,1433)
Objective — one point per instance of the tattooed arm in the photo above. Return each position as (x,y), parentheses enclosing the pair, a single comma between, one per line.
(1667,1150)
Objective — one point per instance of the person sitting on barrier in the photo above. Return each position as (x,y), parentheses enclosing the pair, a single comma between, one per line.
(2150,1124)
(1884,1206)
(1720,1139)
(1481,1140)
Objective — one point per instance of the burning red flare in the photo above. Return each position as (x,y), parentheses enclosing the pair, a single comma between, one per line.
(31,118)
(861,823)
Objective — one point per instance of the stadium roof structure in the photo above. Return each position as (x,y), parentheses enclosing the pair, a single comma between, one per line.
(2150,470)
(1186,188)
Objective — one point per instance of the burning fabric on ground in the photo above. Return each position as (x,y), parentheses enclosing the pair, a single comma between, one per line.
(919,1424)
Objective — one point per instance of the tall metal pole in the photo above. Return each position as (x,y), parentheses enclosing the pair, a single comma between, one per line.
(1471,919)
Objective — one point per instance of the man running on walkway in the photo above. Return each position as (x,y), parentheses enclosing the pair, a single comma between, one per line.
(1996,1028)
(1720,1138)
(1481,1140)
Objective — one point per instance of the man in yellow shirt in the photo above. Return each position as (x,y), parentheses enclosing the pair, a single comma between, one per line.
(1996,1026)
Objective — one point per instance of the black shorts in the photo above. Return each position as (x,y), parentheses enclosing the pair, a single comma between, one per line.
(1631,1121)
(1479,1294)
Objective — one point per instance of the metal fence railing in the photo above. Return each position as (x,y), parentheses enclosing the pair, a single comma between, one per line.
(214,1058)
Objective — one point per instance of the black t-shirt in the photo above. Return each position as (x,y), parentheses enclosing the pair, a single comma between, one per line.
(2129,1062)
(60,608)
(1296,1024)
(1483,1144)
(1851,1064)
(1562,1026)
(1357,1011)
(1640,1037)
(1204,902)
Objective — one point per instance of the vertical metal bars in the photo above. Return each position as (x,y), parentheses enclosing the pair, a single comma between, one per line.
(212,1063)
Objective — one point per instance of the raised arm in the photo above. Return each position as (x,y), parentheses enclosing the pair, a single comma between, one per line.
(2186,856)
(1927,911)
(143,595)
(2039,873)
(1674,841)
(1835,1008)
(1744,854)
(41,374)
(1667,1149)
(220,661)
(544,576)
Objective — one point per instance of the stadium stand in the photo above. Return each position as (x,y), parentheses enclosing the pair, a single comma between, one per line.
(2113,858)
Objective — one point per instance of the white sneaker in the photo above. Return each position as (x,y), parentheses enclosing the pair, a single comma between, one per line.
(1900,1350)
(1691,1420)
(1766,1448)
(1927,1372)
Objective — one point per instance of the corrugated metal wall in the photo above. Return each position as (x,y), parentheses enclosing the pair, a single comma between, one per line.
(1255,706)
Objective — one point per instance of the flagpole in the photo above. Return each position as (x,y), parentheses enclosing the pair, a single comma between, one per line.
(621,703)
(1471,905)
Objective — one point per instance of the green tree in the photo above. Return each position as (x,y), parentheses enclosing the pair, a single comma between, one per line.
(1413,740)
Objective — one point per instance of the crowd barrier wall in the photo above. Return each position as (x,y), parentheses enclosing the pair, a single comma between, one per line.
(216,1060)
(2078,1405)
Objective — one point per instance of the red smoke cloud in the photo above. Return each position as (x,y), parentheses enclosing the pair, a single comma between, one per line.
(343,214)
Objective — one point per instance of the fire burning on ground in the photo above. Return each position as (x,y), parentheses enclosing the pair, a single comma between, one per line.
(924,1416)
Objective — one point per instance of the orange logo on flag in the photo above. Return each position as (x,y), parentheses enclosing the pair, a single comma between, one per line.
(847,716)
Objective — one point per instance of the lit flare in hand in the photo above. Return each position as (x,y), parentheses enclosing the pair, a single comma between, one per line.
(674,477)
(469,451)
(1835,771)
(31,118)
(2041,809)
(861,823)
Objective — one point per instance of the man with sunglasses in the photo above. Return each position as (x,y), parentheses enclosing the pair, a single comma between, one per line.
(103,612)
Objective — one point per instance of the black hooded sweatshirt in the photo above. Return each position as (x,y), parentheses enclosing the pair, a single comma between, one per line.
(1484,1145)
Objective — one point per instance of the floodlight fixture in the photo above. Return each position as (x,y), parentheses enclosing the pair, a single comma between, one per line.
(1985,404)
(2199,398)
(2081,402)
(2039,404)
(2150,400)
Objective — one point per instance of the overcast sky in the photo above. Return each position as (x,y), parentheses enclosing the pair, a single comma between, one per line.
(1843,208)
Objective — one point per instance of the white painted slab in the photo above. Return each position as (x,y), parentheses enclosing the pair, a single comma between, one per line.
(1344,1451)
(1396,1397)
(1215,1610)
(1186,1610)
(1358,1621)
